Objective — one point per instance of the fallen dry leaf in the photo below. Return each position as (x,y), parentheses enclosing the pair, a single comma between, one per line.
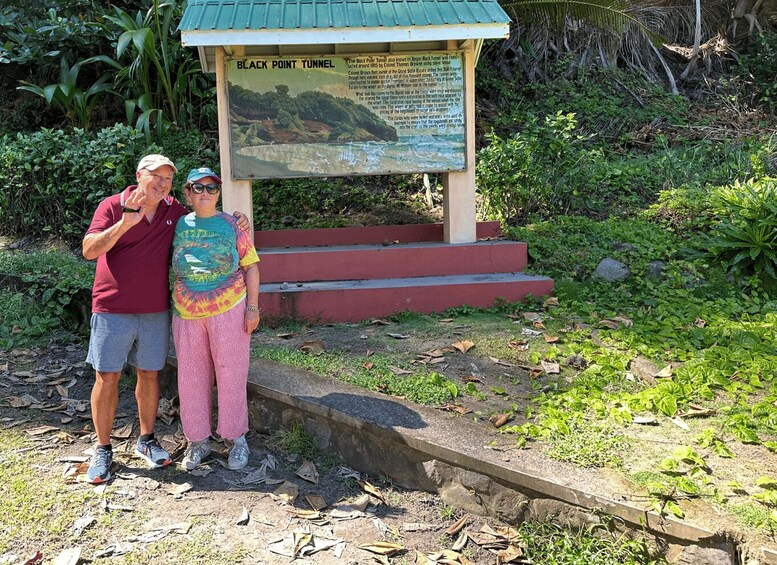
(697,412)
(313,347)
(316,501)
(454,528)
(645,420)
(539,325)
(370,489)
(40,430)
(123,432)
(244,518)
(178,490)
(398,336)
(552,301)
(460,542)
(550,368)
(680,424)
(287,492)
(463,345)
(419,527)
(22,401)
(379,322)
(308,472)
(382,547)
(68,556)
(500,362)
(665,373)
(399,370)
(458,408)
(368,365)
(446,320)
(550,338)
(499,420)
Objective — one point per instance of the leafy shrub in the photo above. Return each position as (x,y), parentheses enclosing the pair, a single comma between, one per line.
(47,295)
(53,180)
(609,103)
(534,172)
(746,237)
(760,66)
(682,209)
(572,246)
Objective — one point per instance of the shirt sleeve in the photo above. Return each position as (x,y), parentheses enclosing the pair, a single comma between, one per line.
(245,248)
(102,218)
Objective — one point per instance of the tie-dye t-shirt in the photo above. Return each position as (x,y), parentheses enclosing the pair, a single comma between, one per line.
(207,256)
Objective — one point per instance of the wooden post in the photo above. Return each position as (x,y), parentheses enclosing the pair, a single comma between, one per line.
(459,216)
(235,194)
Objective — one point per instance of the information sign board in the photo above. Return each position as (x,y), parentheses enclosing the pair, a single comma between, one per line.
(346,115)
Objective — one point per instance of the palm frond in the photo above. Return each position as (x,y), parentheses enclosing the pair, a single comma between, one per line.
(612,16)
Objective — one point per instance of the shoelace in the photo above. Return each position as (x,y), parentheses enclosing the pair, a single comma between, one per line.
(102,456)
(239,451)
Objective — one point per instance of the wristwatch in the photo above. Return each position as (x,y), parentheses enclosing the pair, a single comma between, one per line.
(131,210)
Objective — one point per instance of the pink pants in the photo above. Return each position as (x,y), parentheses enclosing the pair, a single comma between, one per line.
(217,346)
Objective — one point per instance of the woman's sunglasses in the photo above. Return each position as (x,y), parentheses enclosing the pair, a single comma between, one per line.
(199,188)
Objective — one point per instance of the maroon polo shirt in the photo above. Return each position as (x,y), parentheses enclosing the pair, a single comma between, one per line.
(132,278)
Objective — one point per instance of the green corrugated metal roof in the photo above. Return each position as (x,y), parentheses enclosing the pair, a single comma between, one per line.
(290,15)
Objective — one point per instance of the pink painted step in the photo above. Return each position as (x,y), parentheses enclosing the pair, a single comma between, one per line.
(354,300)
(303,264)
(375,235)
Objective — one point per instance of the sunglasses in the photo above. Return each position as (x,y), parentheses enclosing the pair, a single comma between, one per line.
(199,188)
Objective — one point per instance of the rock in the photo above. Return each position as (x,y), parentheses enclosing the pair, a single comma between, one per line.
(655,269)
(611,270)
(721,553)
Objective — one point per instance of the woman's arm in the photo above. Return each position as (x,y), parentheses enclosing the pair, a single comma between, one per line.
(251,274)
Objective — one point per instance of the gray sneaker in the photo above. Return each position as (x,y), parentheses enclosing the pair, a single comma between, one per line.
(152,453)
(195,453)
(238,455)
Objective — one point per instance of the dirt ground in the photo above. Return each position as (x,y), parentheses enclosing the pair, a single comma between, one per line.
(239,516)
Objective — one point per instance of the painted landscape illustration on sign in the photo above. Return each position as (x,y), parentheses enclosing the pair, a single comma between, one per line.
(331,116)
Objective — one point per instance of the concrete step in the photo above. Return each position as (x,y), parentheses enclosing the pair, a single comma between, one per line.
(354,300)
(363,235)
(348,262)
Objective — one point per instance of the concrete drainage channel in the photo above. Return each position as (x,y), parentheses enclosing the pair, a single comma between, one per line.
(424,449)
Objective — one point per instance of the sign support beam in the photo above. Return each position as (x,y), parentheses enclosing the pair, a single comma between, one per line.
(235,194)
(459,214)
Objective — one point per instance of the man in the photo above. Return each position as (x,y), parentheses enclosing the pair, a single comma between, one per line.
(130,236)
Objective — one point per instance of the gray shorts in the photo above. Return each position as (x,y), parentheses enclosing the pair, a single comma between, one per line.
(138,339)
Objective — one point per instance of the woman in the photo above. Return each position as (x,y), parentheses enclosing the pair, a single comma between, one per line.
(216,307)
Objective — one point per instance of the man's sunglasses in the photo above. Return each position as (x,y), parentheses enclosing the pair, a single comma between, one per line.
(199,188)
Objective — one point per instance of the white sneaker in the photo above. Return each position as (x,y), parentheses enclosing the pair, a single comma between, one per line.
(238,455)
(195,453)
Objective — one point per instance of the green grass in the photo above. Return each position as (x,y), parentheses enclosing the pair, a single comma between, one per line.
(35,511)
(589,445)
(423,387)
(550,544)
(297,441)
